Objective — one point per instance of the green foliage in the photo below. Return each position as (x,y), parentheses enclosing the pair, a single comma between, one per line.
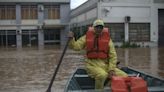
(129,45)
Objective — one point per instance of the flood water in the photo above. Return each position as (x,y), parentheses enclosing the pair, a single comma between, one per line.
(30,70)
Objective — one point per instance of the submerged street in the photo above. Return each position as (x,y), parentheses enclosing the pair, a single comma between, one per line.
(30,69)
(32,31)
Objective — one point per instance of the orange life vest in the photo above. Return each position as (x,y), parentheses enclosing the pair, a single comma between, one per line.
(97,48)
(128,84)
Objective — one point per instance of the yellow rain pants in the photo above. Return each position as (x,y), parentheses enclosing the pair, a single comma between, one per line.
(98,68)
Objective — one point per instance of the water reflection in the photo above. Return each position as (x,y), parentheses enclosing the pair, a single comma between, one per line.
(149,60)
(30,69)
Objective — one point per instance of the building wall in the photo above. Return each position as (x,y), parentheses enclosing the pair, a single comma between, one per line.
(139,12)
(65,13)
(114,12)
(91,14)
(117,13)
(18,24)
(159,4)
(65,19)
(128,1)
(85,16)
(158,1)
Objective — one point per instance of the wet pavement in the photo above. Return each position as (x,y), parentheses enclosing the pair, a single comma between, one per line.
(31,69)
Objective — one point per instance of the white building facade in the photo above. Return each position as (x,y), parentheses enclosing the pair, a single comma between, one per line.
(135,21)
(33,22)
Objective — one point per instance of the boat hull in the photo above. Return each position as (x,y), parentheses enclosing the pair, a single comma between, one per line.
(81,82)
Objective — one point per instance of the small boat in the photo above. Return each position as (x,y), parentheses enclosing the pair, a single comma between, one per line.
(81,82)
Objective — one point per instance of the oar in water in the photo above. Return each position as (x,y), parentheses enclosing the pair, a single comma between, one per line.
(57,68)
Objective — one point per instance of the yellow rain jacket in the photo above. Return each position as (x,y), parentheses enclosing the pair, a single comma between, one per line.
(98,68)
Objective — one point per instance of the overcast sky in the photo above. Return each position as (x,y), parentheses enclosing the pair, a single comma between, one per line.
(76,3)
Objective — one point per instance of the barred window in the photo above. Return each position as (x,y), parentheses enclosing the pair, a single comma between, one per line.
(139,32)
(52,12)
(7,12)
(29,12)
(116,31)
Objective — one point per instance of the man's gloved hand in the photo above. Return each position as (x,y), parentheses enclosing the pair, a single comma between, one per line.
(111,73)
(70,34)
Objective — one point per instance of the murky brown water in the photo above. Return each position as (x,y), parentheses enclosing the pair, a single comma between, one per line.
(30,70)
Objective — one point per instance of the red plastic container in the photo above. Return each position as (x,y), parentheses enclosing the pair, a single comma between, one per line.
(128,84)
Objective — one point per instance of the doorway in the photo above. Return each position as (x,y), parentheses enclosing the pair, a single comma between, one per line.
(161,27)
(29,38)
(7,38)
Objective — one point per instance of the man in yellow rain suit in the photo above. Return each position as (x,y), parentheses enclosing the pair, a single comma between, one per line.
(101,55)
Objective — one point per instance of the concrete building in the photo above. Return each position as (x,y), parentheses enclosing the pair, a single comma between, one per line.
(33,22)
(135,21)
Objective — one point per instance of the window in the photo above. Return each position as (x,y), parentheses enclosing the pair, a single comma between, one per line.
(52,34)
(139,32)
(52,12)
(8,38)
(7,12)
(116,31)
(29,38)
(29,12)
